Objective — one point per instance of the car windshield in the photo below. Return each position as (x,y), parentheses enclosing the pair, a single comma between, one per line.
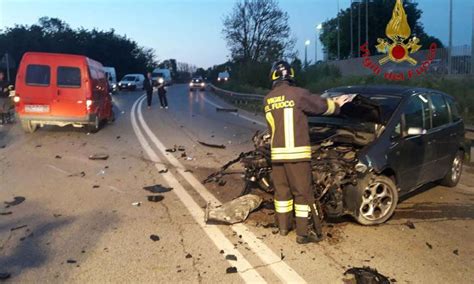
(128,78)
(196,80)
(157,74)
(386,103)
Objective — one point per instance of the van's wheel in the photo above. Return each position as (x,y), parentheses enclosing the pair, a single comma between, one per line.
(28,126)
(111,119)
(95,126)
(453,176)
(378,198)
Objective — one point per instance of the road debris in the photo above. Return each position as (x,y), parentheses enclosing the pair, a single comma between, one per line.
(282,256)
(71,261)
(81,174)
(57,215)
(409,224)
(456,252)
(365,275)
(234,211)
(189,255)
(231,257)
(154,238)
(183,155)
(220,109)
(157,188)
(222,182)
(118,137)
(216,176)
(137,204)
(181,148)
(101,172)
(16,200)
(212,145)
(95,186)
(429,245)
(171,150)
(5,213)
(163,171)
(58,157)
(18,228)
(155,198)
(4,275)
(189,158)
(231,269)
(99,156)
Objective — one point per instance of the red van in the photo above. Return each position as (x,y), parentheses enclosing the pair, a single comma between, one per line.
(61,89)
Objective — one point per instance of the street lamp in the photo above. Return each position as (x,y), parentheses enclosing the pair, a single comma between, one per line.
(318,29)
(306,43)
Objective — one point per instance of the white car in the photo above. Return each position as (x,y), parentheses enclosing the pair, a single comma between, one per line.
(164,74)
(112,78)
(132,82)
(223,76)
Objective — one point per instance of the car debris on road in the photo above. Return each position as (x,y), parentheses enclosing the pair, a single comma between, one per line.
(212,145)
(99,156)
(235,211)
(365,275)
(220,109)
(16,200)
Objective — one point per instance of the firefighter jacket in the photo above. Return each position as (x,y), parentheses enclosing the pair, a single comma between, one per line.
(286,111)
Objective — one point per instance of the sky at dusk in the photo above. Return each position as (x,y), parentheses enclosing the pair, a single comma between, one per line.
(190,30)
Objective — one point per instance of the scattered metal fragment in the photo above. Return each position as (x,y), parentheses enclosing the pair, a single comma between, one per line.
(171,150)
(81,174)
(58,157)
(155,198)
(234,211)
(216,176)
(17,228)
(189,158)
(163,171)
(183,155)
(4,275)
(282,256)
(456,252)
(137,204)
(157,188)
(231,257)
(429,245)
(5,213)
(189,255)
(16,200)
(366,275)
(409,224)
(118,137)
(95,186)
(38,146)
(181,148)
(220,109)
(154,238)
(231,269)
(71,261)
(99,156)
(57,215)
(101,172)
(211,145)
(188,171)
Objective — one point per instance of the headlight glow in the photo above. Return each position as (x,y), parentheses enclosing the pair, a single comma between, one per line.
(129,84)
(161,80)
(16,99)
(202,84)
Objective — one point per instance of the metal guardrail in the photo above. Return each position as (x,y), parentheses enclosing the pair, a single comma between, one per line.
(235,95)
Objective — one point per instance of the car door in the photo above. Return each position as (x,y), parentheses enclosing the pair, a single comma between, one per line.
(70,95)
(443,136)
(409,151)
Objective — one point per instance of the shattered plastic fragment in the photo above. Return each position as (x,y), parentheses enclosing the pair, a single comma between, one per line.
(366,275)
(155,198)
(154,238)
(16,200)
(71,261)
(163,171)
(17,228)
(100,156)
(456,252)
(158,188)
(5,213)
(189,159)
(409,224)
(181,148)
(212,145)
(234,211)
(136,204)
(189,255)
(429,245)
(231,257)
(58,157)
(81,174)
(231,269)
(171,150)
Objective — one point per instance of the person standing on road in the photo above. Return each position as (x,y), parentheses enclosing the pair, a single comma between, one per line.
(286,110)
(5,102)
(162,93)
(148,86)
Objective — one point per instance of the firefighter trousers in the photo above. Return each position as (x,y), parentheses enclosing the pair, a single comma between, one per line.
(293,193)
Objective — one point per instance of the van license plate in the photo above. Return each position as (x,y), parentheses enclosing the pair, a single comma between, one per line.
(37,108)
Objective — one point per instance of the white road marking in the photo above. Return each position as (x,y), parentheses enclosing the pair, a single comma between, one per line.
(245,269)
(59,170)
(283,271)
(234,113)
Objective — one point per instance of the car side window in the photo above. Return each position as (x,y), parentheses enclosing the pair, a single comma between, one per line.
(440,110)
(417,113)
(454,107)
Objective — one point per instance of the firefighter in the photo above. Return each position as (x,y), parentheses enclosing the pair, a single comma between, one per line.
(286,110)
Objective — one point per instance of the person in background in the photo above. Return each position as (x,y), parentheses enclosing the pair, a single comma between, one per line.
(162,93)
(148,86)
(5,102)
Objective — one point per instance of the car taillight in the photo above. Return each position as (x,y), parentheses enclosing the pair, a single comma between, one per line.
(88,104)
(16,99)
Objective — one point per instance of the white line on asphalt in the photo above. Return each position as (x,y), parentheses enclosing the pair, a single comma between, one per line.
(245,269)
(267,256)
(234,113)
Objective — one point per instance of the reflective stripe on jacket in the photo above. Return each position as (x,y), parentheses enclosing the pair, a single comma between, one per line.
(286,111)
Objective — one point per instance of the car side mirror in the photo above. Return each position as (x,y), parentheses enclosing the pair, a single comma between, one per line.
(412,131)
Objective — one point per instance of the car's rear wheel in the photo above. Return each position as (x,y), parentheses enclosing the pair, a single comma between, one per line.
(95,126)
(454,174)
(28,126)
(378,198)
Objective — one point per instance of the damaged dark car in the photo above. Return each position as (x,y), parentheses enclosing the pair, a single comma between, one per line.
(387,142)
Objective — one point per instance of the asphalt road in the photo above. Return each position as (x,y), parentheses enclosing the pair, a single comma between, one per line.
(78,222)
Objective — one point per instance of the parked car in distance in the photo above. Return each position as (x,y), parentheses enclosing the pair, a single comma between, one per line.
(111,78)
(223,76)
(61,89)
(197,83)
(131,82)
(387,142)
(164,74)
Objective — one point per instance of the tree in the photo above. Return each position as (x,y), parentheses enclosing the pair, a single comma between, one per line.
(257,31)
(380,12)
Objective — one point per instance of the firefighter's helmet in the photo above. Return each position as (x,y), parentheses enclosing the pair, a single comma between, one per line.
(282,71)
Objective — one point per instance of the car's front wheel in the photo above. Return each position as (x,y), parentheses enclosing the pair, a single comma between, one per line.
(454,174)
(378,198)
(28,126)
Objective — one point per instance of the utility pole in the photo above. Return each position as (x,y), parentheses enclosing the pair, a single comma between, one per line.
(450,50)
(338,33)
(352,37)
(366,21)
(358,29)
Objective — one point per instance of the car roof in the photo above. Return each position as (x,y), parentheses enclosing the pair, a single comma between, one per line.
(393,90)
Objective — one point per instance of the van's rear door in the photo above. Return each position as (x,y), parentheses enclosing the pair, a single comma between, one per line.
(71,90)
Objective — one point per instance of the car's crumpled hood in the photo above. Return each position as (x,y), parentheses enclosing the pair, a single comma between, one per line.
(362,108)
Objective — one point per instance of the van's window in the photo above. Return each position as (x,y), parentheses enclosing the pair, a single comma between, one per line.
(417,113)
(454,106)
(440,110)
(38,75)
(69,77)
